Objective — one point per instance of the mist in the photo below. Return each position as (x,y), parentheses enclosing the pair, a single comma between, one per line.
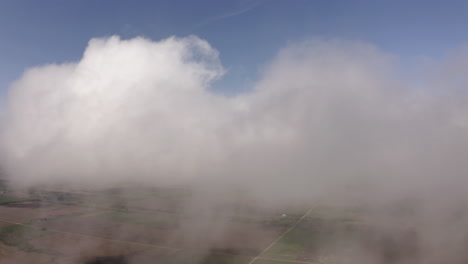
(327,120)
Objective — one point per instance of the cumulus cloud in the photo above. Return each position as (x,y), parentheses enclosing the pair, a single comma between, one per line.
(327,120)
(323,114)
(134,102)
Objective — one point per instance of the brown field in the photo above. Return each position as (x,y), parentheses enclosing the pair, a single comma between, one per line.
(27,211)
(94,226)
(73,245)
(12,255)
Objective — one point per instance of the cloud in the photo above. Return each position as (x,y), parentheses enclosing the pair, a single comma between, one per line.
(122,96)
(325,112)
(327,120)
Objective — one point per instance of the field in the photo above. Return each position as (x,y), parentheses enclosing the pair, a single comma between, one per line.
(120,226)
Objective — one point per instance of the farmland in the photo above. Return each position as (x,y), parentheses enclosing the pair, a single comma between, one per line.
(150,226)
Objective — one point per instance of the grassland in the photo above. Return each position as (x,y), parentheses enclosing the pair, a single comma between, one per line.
(20,235)
(5,199)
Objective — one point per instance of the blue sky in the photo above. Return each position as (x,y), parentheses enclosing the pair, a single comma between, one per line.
(248,33)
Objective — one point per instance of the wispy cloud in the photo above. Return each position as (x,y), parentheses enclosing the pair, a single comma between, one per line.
(251,5)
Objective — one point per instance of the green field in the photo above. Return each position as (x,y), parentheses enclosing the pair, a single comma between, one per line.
(5,199)
(19,236)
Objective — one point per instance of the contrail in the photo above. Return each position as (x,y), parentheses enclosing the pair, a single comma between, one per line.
(228,14)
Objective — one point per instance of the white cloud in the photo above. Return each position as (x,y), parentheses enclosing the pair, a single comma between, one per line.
(323,113)
(327,119)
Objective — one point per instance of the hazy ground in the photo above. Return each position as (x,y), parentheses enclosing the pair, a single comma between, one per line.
(146,225)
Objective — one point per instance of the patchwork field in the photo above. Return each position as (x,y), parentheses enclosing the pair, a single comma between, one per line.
(151,226)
